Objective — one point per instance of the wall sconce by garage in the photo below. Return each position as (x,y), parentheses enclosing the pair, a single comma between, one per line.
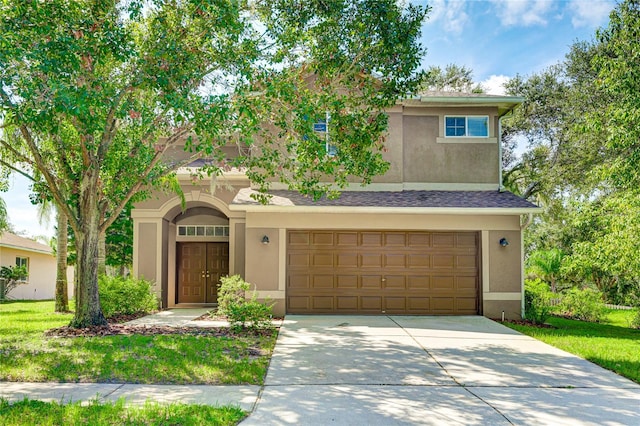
(265,240)
(503,242)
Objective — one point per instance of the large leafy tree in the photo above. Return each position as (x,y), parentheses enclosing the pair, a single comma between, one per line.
(618,65)
(98,96)
(451,78)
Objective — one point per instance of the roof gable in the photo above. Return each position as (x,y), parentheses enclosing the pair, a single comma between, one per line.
(14,241)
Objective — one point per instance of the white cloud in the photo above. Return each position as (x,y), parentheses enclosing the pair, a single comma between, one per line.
(524,13)
(494,85)
(451,14)
(591,13)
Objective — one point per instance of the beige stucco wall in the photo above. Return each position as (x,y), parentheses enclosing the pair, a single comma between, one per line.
(427,158)
(42,274)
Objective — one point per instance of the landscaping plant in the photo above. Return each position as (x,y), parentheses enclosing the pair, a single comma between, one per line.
(584,305)
(241,312)
(126,296)
(11,276)
(537,301)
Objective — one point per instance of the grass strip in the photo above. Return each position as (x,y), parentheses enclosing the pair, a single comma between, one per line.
(611,344)
(115,413)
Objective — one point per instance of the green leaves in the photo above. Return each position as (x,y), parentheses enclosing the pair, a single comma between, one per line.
(106,99)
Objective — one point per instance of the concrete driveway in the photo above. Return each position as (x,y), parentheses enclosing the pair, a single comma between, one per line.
(380,370)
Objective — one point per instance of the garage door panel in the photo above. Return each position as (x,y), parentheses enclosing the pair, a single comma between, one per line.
(322,239)
(467,283)
(394,282)
(467,240)
(322,281)
(466,261)
(418,304)
(373,272)
(322,303)
(371,260)
(299,238)
(444,261)
(416,239)
(347,260)
(395,260)
(444,239)
(322,260)
(466,305)
(395,305)
(298,281)
(298,303)
(347,303)
(347,281)
(443,305)
(371,303)
(395,239)
(299,260)
(371,239)
(443,283)
(369,282)
(418,282)
(346,239)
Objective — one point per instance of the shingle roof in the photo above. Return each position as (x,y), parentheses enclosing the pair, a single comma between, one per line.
(426,199)
(8,239)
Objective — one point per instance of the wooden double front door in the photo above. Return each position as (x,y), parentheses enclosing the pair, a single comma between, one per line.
(200,266)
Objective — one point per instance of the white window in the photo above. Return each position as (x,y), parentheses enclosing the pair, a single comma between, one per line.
(466,126)
(321,126)
(203,230)
(23,261)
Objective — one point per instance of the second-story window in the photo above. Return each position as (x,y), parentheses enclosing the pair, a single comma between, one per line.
(466,126)
(321,127)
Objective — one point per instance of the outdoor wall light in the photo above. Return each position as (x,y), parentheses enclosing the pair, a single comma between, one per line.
(504,242)
(265,240)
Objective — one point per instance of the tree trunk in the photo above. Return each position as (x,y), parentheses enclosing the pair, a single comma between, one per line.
(62,296)
(88,310)
(102,254)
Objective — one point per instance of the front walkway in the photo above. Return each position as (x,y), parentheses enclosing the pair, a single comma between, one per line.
(183,317)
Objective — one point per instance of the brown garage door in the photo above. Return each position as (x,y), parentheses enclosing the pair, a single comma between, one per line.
(374,272)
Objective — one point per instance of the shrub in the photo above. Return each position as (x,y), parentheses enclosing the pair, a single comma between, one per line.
(584,305)
(231,292)
(635,321)
(537,301)
(242,313)
(11,276)
(126,296)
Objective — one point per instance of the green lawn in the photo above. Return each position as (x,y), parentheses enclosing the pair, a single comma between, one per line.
(27,355)
(51,413)
(612,344)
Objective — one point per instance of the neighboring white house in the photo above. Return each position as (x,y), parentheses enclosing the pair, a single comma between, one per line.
(41,266)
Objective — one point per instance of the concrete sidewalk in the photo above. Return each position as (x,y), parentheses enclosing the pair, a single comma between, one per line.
(243,396)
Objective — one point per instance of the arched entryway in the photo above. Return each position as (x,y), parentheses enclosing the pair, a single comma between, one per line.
(202,254)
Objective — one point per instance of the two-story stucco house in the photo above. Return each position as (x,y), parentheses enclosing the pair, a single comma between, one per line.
(434,235)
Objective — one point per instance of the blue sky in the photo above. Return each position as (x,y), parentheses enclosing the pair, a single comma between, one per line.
(497,39)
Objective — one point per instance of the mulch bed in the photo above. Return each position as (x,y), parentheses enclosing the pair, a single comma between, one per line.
(127,330)
(117,327)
